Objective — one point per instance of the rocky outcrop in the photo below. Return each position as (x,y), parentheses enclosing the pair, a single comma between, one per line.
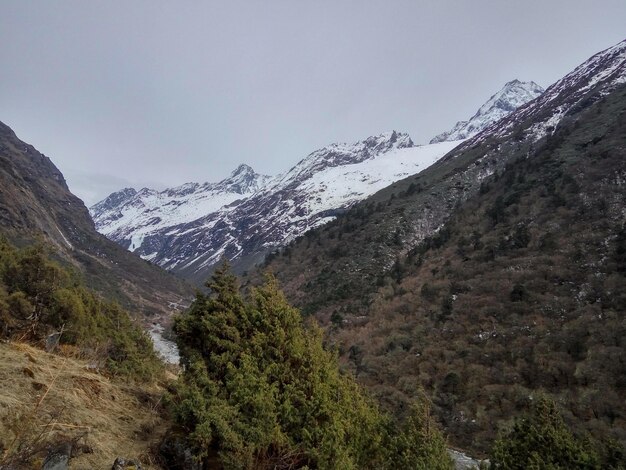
(513,95)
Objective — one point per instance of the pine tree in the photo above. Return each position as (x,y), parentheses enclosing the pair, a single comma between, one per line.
(259,390)
(541,440)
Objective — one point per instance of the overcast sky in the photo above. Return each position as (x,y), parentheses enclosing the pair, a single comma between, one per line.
(155,93)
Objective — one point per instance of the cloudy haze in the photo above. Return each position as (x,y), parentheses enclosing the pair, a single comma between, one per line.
(150,93)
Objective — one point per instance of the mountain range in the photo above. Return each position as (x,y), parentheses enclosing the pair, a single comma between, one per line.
(190,228)
(482,273)
(496,274)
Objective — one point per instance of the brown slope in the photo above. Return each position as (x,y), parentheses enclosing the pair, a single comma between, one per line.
(349,255)
(520,290)
(523,291)
(35,202)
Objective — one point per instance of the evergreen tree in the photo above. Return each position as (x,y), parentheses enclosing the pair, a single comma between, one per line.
(39,297)
(543,441)
(259,390)
(419,445)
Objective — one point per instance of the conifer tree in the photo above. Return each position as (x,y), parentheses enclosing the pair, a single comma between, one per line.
(541,440)
(259,390)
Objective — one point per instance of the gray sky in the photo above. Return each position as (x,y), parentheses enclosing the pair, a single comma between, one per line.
(155,93)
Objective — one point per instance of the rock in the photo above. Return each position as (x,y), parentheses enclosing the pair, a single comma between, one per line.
(177,453)
(126,464)
(465,462)
(52,341)
(58,458)
(39,386)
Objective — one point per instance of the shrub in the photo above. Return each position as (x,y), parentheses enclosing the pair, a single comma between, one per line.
(260,390)
(542,440)
(39,297)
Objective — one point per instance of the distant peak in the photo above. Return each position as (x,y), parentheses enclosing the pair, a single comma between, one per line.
(115,199)
(243,169)
(146,191)
(521,84)
(386,141)
(242,180)
(126,192)
(511,96)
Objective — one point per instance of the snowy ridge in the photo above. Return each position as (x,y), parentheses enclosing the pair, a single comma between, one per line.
(127,216)
(289,208)
(513,95)
(193,226)
(336,155)
(190,228)
(594,78)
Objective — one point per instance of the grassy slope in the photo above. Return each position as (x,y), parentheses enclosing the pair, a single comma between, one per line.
(47,398)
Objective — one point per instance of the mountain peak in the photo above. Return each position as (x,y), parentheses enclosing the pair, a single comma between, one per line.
(388,140)
(243,170)
(511,96)
(340,154)
(116,199)
(243,180)
(521,87)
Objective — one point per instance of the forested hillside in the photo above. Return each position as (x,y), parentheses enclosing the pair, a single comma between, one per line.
(520,290)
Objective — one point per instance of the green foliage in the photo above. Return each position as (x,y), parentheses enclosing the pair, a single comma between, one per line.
(419,445)
(261,391)
(541,440)
(39,297)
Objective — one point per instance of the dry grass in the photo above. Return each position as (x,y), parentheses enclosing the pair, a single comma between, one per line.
(46,399)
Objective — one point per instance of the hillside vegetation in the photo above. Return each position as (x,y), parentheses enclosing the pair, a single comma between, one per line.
(46,304)
(521,290)
(95,390)
(36,204)
(259,391)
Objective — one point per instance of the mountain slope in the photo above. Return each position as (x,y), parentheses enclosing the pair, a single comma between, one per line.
(189,229)
(495,273)
(400,217)
(36,202)
(128,212)
(513,95)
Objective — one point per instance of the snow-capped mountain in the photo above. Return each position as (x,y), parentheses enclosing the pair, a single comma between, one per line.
(127,216)
(594,78)
(189,228)
(512,95)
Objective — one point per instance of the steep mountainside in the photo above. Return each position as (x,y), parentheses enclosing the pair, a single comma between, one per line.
(36,202)
(513,95)
(497,272)
(189,229)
